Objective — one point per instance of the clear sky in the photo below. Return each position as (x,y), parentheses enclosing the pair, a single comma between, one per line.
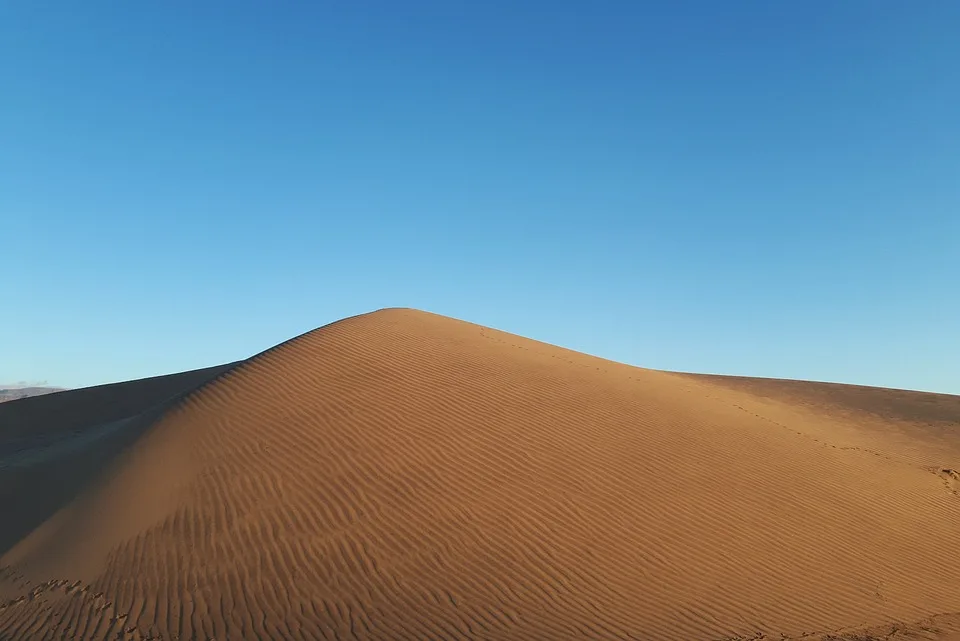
(761,188)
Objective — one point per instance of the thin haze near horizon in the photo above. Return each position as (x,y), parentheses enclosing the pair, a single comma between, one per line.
(752,188)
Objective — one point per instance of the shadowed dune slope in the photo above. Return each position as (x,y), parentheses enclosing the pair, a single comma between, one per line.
(401,475)
(91,425)
(44,418)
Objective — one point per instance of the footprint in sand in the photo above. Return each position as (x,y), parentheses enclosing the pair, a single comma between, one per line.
(951,478)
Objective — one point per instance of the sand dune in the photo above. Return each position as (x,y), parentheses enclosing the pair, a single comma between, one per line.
(50,444)
(402,475)
(16,393)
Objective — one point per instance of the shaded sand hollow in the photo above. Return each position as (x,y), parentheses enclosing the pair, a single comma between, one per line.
(401,475)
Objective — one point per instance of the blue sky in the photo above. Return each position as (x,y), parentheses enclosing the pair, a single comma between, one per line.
(759,188)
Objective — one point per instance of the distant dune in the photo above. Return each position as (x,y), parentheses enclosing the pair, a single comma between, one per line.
(402,475)
(16,393)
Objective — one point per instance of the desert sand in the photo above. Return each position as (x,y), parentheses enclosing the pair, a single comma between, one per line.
(402,475)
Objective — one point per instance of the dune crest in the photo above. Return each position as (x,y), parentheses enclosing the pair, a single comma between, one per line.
(402,475)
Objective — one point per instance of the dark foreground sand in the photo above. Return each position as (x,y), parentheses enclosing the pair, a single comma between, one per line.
(402,475)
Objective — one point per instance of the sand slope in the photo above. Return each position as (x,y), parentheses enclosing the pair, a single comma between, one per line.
(402,475)
(50,445)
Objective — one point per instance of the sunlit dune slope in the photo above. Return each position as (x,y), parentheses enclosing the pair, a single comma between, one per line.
(402,475)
